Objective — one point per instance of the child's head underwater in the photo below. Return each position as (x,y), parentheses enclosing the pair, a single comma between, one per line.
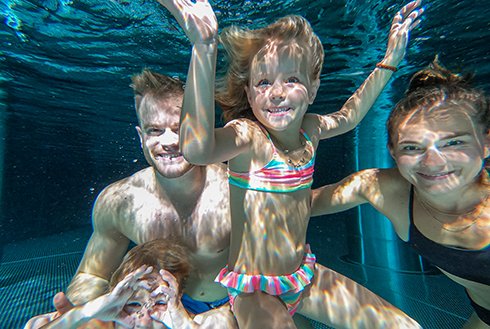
(161,254)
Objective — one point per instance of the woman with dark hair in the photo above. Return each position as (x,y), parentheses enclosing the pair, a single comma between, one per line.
(438,196)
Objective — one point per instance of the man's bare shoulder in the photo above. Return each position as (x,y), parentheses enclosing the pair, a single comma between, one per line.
(141,180)
(117,200)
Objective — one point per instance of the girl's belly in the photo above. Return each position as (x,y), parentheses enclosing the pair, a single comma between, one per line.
(268,231)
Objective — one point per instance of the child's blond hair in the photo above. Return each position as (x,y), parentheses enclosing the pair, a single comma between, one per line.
(242,45)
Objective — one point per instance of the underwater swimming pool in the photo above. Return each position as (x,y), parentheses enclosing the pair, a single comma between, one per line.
(67,129)
(33,270)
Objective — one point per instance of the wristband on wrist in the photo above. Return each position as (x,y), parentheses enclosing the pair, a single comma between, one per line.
(386,67)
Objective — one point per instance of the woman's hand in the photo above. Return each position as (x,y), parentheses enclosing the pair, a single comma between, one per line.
(197,19)
(404,21)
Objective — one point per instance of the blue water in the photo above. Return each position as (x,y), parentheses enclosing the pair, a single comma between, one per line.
(66,109)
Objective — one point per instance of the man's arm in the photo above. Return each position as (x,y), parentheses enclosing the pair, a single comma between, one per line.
(104,252)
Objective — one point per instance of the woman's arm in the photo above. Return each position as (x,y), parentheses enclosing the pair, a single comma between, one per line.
(362,100)
(344,195)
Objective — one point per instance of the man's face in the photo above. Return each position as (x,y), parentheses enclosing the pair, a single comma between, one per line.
(159,136)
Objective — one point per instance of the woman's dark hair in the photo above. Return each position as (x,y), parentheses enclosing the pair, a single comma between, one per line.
(433,86)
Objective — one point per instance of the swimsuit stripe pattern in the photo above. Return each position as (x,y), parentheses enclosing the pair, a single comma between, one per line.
(287,287)
(273,285)
(277,175)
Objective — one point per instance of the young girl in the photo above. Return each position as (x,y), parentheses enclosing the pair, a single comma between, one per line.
(438,197)
(269,143)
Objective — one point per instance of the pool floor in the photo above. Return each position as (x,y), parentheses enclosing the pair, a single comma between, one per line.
(32,271)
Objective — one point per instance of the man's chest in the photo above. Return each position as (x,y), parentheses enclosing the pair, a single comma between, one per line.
(203,229)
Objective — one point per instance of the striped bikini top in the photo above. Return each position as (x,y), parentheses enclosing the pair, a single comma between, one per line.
(277,175)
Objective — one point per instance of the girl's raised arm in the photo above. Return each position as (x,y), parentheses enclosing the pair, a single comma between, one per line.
(199,141)
(362,100)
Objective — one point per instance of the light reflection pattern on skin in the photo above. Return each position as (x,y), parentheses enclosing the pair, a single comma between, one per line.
(440,141)
(269,225)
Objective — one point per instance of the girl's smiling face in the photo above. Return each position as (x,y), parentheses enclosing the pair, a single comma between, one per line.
(440,151)
(280,88)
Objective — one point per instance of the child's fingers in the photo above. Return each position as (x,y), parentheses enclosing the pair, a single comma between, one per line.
(415,14)
(169,278)
(410,7)
(407,13)
(415,24)
(130,281)
(142,284)
(413,20)
(123,284)
(142,270)
(397,19)
(163,290)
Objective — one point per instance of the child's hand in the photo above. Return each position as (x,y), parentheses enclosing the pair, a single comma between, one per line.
(197,19)
(109,307)
(175,316)
(405,20)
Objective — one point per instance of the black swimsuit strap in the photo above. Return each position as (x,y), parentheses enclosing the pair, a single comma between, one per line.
(410,206)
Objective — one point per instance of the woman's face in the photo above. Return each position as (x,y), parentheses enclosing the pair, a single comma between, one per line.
(440,151)
(141,305)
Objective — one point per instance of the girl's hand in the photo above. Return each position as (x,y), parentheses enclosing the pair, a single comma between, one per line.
(403,22)
(175,316)
(109,307)
(197,19)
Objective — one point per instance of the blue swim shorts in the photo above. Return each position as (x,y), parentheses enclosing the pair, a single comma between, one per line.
(197,307)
